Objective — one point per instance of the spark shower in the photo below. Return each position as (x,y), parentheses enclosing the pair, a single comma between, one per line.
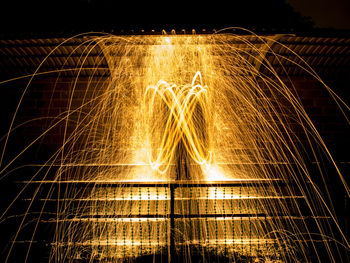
(187,149)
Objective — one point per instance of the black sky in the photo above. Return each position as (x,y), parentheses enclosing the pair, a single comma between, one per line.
(31,16)
(325,13)
(55,15)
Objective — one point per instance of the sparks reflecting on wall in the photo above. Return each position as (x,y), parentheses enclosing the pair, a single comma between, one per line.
(195,151)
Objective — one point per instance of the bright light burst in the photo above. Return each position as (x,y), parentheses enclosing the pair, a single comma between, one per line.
(181,110)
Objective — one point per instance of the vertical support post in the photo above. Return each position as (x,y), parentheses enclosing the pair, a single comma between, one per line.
(172,224)
(179,163)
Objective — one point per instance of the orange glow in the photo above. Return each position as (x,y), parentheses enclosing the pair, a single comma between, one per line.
(179,111)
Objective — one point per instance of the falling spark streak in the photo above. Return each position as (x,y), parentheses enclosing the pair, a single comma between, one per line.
(188,131)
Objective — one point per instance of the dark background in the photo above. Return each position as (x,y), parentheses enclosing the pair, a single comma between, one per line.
(325,13)
(75,16)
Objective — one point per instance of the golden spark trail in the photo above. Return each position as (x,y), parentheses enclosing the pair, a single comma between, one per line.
(181,102)
(186,148)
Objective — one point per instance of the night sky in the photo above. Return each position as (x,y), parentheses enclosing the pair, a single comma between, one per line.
(19,16)
(325,13)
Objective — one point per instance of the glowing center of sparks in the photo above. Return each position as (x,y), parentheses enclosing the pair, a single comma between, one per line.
(183,109)
(167,40)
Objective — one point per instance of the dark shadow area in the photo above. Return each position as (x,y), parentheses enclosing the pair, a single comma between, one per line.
(75,16)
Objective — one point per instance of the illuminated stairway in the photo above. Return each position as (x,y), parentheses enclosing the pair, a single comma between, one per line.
(117,221)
